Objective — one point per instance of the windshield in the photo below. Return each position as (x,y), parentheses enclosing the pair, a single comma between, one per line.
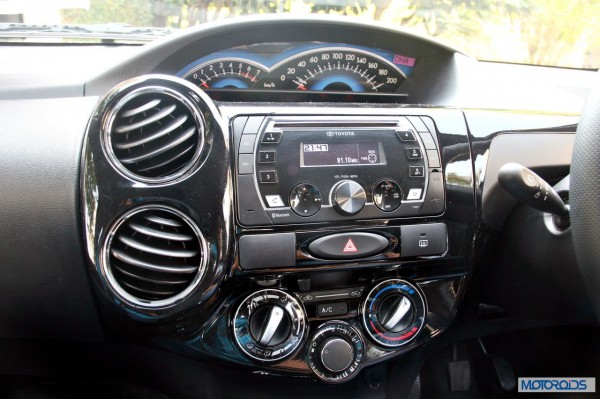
(542,32)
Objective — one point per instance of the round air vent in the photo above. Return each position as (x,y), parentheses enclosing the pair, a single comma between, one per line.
(153,134)
(154,256)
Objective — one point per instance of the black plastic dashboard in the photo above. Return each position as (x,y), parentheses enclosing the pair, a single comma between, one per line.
(242,219)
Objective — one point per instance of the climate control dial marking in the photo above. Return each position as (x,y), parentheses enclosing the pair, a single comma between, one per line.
(269,325)
(394,313)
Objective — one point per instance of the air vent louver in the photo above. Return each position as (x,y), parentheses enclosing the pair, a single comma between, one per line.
(154,134)
(154,255)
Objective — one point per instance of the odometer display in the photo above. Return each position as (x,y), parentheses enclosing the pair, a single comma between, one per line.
(336,69)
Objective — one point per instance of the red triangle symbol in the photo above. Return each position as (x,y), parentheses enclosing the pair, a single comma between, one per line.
(350,247)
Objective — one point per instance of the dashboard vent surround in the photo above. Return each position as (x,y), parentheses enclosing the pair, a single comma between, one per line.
(154,134)
(154,256)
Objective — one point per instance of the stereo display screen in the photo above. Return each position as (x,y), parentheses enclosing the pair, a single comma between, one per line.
(339,154)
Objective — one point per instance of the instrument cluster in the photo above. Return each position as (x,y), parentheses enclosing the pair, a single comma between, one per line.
(301,67)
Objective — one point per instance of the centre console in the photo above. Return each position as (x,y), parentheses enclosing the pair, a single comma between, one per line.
(340,225)
(289,239)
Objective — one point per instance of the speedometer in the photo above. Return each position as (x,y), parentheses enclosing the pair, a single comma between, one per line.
(336,69)
(226,73)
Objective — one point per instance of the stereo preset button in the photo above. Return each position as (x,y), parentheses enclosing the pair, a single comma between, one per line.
(247,143)
(268,176)
(414,194)
(253,124)
(266,156)
(274,201)
(246,164)
(428,141)
(332,309)
(418,124)
(416,171)
(405,135)
(433,158)
(414,153)
(348,245)
(271,137)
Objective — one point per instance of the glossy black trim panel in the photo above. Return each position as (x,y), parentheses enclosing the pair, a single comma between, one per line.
(204,197)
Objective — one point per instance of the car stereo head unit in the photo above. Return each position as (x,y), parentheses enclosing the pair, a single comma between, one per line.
(293,170)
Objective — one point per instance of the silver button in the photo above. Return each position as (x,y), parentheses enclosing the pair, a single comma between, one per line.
(274,201)
(414,194)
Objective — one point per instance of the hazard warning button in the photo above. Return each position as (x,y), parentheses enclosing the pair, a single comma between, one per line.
(348,245)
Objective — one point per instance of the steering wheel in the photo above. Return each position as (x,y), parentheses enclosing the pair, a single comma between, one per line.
(584,195)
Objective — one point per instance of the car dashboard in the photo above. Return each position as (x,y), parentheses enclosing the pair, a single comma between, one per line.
(291,197)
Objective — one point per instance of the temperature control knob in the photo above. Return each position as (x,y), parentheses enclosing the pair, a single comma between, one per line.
(393,313)
(269,325)
(335,352)
(348,197)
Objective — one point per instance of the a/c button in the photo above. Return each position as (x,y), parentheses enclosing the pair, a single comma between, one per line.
(332,309)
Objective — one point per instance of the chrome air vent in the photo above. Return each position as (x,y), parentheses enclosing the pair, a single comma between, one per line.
(153,134)
(154,256)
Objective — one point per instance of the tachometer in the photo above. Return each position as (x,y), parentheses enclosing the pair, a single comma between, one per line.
(226,73)
(336,69)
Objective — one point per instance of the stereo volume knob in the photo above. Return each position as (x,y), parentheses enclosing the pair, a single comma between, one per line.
(348,197)
(269,325)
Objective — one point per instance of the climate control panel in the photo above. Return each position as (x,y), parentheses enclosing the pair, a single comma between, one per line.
(340,337)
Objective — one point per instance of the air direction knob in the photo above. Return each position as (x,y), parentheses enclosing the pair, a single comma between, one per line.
(348,197)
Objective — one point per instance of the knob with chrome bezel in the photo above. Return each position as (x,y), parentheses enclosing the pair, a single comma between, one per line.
(269,325)
(305,200)
(335,352)
(348,197)
(393,313)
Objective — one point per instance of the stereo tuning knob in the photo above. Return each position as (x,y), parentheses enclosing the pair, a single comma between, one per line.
(348,197)
(269,325)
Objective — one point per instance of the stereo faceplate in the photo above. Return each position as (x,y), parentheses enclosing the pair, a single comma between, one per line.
(293,170)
